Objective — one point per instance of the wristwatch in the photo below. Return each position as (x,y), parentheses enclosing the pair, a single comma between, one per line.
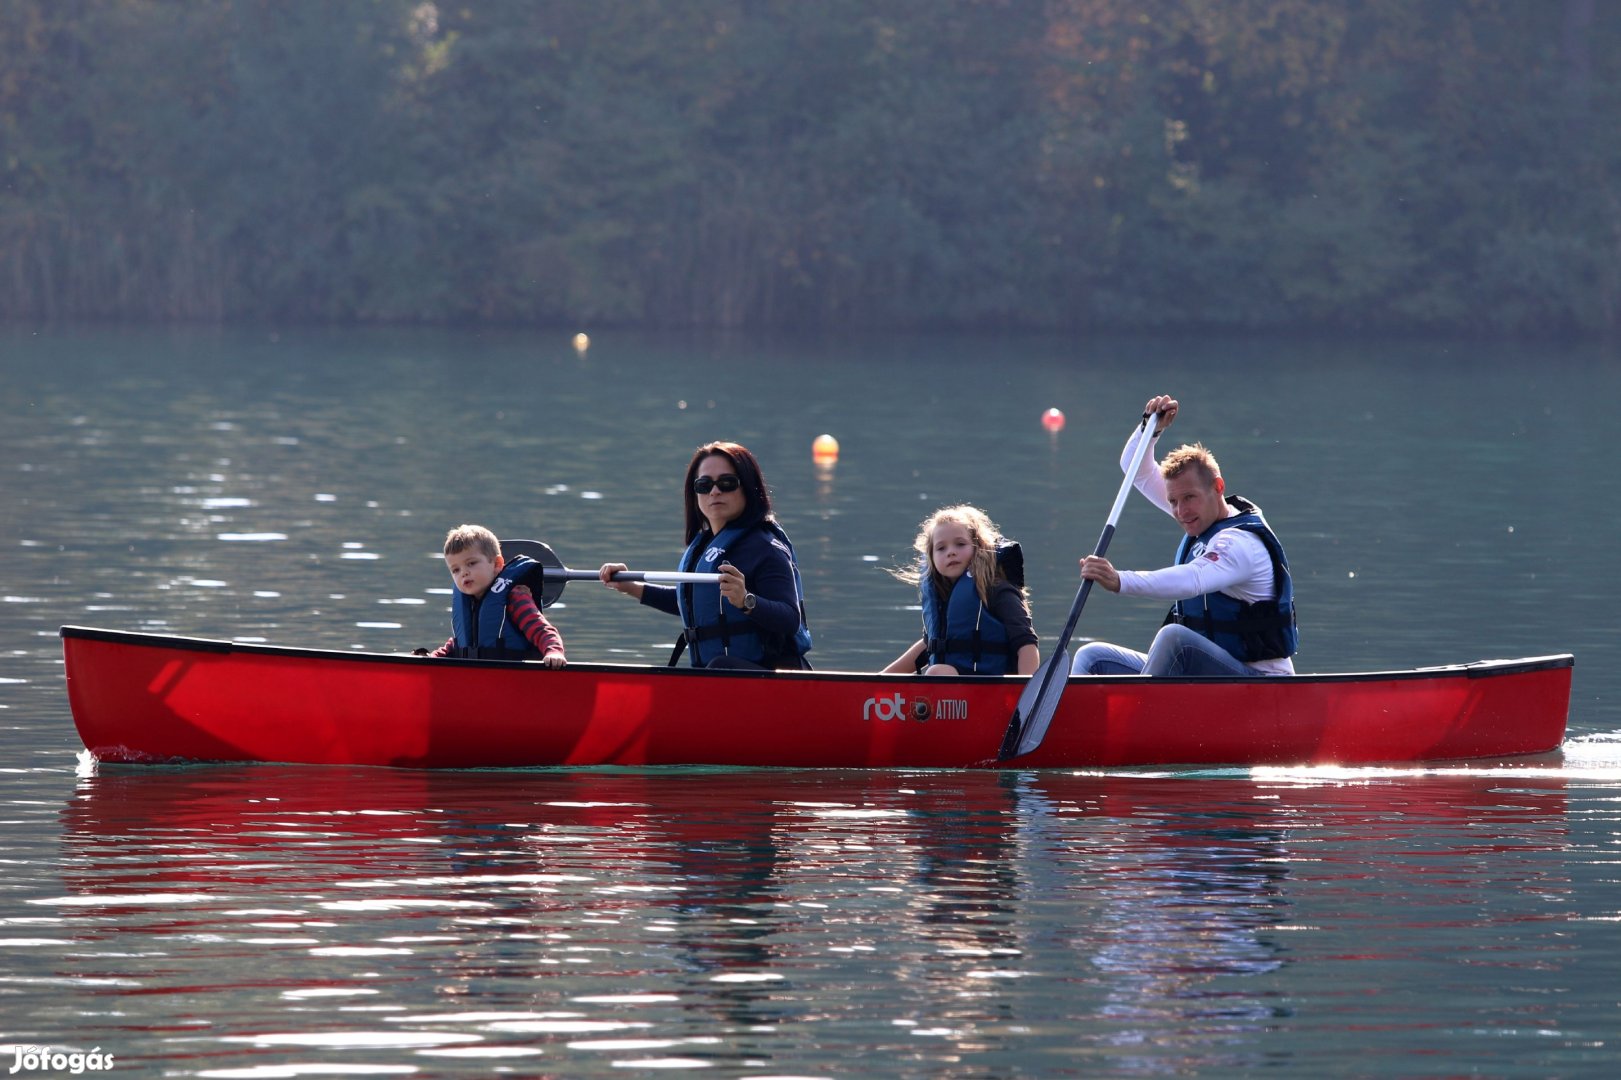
(748,601)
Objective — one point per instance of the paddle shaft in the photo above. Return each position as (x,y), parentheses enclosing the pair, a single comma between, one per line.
(652,577)
(1041,704)
(554,575)
(1103,541)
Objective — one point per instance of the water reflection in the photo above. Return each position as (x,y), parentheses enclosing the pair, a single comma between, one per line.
(224,484)
(729,917)
(220,484)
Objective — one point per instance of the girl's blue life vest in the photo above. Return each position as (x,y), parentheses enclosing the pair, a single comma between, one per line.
(1264,630)
(713,627)
(965,634)
(491,635)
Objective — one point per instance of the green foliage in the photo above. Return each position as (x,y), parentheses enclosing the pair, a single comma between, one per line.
(1377,164)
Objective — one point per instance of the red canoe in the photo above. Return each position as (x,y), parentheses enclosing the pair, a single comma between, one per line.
(151,698)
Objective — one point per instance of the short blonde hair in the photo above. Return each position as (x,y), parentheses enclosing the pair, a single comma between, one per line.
(1194,457)
(463,537)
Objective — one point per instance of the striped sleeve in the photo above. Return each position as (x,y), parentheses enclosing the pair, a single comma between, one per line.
(531,623)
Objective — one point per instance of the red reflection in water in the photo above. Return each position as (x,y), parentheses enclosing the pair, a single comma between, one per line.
(474,887)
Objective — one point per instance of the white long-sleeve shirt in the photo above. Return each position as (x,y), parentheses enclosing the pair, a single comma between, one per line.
(1235,561)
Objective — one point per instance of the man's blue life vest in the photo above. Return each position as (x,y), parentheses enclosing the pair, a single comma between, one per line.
(966,635)
(1264,630)
(713,627)
(491,635)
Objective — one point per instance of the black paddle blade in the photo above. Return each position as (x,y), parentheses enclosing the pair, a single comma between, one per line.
(546,590)
(1028,725)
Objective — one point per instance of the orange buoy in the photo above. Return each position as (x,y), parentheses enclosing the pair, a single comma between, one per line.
(1052,420)
(824,450)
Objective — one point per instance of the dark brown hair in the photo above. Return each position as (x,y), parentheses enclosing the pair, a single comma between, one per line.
(757,496)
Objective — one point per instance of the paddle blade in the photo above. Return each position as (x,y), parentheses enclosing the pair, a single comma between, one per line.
(548,589)
(1028,725)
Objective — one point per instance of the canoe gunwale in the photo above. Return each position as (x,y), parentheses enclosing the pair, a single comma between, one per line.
(142,697)
(1474,669)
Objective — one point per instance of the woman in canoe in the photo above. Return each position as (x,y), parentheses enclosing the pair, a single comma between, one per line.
(755,616)
(970,581)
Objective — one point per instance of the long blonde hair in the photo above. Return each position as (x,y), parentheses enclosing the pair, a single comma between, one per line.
(983,566)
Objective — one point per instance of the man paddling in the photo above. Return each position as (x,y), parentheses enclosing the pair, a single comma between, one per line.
(1234,608)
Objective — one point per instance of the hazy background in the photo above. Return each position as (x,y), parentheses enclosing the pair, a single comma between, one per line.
(1436,165)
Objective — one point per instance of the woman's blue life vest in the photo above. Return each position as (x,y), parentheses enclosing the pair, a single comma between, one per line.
(491,635)
(713,627)
(965,634)
(1264,630)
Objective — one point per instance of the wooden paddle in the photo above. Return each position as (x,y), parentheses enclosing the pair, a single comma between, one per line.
(1028,724)
(554,575)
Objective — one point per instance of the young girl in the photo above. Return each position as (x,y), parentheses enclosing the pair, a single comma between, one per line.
(971,583)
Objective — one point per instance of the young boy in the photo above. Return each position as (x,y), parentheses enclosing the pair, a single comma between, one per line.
(492,617)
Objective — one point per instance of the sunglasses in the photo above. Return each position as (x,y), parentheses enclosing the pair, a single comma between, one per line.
(705,484)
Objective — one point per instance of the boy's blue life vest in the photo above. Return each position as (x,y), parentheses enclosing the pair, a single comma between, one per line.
(1264,630)
(491,635)
(966,635)
(713,627)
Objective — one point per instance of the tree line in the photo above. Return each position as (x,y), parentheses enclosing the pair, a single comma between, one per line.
(1378,165)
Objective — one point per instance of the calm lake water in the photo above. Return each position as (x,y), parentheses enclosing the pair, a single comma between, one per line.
(1441,503)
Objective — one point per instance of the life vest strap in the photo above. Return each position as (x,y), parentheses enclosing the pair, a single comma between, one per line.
(1254,625)
(942,646)
(491,652)
(727,628)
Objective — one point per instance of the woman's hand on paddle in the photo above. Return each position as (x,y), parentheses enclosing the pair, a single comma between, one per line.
(629,588)
(732,585)
(1097,568)
(1166,406)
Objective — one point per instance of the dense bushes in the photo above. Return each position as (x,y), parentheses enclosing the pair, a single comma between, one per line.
(1375,164)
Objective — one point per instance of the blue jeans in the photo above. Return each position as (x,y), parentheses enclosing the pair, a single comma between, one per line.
(1176,650)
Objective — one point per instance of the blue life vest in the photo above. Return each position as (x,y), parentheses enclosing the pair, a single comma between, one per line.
(1264,630)
(966,635)
(492,636)
(713,627)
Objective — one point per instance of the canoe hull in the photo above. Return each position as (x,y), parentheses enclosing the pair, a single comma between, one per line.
(151,698)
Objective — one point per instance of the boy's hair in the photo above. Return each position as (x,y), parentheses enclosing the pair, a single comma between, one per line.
(1194,457)
(984,566)
(463,537)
